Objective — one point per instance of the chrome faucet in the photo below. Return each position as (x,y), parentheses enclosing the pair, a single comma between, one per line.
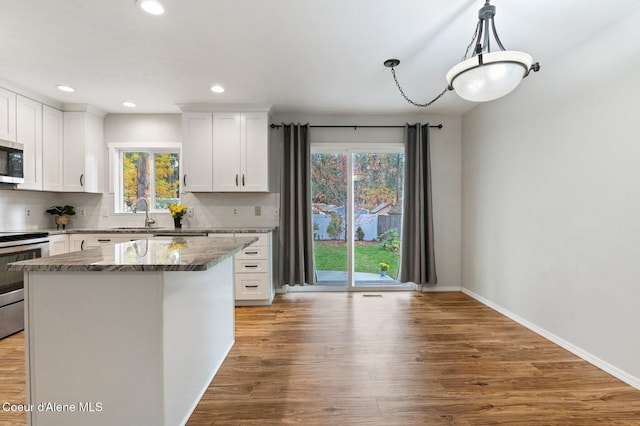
(148,221)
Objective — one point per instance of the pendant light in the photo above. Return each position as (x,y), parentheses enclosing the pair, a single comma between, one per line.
(486,75)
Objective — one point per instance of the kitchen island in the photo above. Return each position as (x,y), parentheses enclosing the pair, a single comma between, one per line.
(127,334)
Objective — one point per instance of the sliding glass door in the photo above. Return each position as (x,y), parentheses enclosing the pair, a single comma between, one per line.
(329,188)
(357,215)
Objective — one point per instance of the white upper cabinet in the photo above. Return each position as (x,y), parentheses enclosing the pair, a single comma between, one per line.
(226,151)
(7,115)
(63,151)
(197,175)
(83,153)
(52,148)
(254,152)
(29,134)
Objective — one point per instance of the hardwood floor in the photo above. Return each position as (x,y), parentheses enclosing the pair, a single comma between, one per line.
(403,359)
(12,379)
(399,359)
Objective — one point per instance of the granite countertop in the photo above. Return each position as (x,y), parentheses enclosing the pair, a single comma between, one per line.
(156,255)
(176,231)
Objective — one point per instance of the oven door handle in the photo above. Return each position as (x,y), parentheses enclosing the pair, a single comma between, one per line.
(43,247)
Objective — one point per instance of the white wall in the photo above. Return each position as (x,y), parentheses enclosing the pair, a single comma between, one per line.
(446,172)
(551,201)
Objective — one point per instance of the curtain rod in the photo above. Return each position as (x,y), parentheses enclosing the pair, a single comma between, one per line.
(355,127)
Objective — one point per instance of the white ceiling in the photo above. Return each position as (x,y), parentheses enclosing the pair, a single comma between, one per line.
(298,55)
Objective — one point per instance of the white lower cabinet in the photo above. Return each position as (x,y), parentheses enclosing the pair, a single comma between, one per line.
(58,244)
(252,286)
(253,275)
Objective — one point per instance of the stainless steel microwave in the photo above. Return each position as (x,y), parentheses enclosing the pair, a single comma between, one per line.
(11,162)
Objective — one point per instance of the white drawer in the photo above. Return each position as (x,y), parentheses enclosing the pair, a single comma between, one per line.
(97,240)
(252,252)
(252,286)
(263,239)
(251,266)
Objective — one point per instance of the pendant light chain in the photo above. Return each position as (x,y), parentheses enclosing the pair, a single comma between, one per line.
(473,38)
(446,89)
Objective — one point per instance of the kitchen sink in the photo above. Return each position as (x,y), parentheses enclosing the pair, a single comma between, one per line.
(161,232)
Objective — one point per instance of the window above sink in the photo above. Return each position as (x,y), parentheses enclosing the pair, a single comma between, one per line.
(144,170)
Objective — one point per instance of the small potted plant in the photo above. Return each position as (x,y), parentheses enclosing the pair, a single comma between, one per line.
(177,213)
(384,267)
(62,214)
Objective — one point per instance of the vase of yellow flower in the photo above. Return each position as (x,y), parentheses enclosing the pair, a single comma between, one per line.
(177,212)
(384,267)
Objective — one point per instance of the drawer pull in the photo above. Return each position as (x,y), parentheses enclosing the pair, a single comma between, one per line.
(250,266)
(251,286)
(251,252)
(104,240)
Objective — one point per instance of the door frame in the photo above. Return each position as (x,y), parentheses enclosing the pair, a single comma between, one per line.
(349,149)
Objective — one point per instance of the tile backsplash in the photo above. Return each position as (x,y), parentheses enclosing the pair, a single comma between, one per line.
(210,210)
(14,205)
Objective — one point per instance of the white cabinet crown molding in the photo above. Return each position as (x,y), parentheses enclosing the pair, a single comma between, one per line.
(84,108)
(224,107)
(28,93)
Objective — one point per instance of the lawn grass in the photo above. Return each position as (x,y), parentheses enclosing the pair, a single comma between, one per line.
(332,256)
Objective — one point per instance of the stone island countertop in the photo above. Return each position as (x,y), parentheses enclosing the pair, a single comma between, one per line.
(158,254)
(163,230)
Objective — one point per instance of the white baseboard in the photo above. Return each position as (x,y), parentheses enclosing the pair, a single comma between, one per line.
(590,358)
(438,288)
(344,289)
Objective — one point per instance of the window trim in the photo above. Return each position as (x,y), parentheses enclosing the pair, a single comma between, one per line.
(115,165)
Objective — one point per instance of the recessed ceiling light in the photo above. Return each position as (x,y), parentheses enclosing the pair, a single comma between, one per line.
(129,104)
(66,88)
(153,7)
(217,89)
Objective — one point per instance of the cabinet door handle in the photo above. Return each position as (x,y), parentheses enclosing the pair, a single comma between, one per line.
(184,180)
(82,245)
(236,180)
(251,286)
(82,179)
(243,179)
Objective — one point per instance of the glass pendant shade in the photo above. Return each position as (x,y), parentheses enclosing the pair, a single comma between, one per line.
(499,73)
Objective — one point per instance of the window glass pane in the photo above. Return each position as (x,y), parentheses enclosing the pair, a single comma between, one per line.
(135,180)
(167,180)
(154,176)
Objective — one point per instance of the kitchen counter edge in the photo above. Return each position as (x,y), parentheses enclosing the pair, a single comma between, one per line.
(124,230)
(197,254)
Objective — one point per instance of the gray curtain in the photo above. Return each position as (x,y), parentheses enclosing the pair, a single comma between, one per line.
(296,244)
(417,258)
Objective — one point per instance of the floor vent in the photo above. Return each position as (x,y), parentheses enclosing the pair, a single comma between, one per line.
(371,295)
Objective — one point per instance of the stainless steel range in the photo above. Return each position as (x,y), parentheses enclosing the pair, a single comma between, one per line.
(14,247)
